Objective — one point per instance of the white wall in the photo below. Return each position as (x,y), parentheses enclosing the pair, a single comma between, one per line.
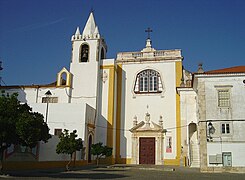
(136,105)
(188,114)
(101,124)
(233,142)
(64,116)
(47,151)
(237,151)
(35,95)
(237,97)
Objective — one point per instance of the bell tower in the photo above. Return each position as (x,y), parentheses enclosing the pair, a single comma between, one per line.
(88,49)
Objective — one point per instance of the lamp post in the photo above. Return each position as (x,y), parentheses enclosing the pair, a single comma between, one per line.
(211,130)
(47,94)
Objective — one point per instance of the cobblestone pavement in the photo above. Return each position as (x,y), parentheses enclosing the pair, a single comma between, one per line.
(123,172)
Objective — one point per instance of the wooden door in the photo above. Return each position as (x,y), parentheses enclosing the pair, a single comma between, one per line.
(147,150)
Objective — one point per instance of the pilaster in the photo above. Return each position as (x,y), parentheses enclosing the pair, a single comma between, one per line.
(202,125)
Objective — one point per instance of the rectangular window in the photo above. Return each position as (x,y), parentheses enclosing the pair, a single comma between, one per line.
(155,83)
(228,128)
(151,84)
(141,83)
(223,98)
(145,84)
(57,132)
(225,128)
(50,99)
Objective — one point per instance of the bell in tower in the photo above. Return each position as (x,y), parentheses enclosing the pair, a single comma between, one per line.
(84,53)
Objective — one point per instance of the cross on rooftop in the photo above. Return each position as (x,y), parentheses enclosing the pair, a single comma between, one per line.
(148,30)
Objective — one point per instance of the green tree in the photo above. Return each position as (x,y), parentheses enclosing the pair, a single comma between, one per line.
(69,144)
(99,151)
(19,125)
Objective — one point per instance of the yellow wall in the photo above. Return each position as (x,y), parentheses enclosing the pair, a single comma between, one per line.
(118,115)
(110,123)
(178,69)
(110,116)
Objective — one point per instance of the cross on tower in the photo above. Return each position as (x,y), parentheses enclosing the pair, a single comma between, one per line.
(148,30)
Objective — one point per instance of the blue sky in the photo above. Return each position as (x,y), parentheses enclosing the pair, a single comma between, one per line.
(35,34)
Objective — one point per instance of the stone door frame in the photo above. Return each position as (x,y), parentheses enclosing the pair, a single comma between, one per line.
(159,142)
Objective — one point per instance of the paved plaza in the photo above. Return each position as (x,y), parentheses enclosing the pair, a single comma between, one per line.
(123,172)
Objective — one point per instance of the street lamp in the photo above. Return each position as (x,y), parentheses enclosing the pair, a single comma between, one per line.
(211,130)
(47,94)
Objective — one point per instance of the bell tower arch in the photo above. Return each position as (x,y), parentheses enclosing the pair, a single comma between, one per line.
(84,53)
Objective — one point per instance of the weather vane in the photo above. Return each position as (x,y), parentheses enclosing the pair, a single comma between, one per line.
(92,9)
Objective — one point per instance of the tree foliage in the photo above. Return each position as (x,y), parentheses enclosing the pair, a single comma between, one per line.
(99,151)
(19,125)
(69,143)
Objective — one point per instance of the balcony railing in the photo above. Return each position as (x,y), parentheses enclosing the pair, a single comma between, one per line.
(152,54)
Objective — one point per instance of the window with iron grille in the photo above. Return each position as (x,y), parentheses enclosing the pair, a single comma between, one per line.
(223,98)
(148,81)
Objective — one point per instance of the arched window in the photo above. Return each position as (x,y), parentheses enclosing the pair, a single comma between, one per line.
(84,53)
(63,78)
(148,81)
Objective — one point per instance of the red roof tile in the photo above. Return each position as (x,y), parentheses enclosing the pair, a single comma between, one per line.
(235,69)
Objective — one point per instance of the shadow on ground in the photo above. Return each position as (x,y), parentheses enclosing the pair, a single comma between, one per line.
(81,173)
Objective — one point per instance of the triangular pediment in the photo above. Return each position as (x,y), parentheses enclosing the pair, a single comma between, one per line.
(142,126)
(138,126)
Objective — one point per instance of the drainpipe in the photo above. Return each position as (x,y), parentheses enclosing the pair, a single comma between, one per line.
(37,94)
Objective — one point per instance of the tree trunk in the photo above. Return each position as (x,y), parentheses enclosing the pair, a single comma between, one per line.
(97,162)
(74,158)
(1,161)
(68,164)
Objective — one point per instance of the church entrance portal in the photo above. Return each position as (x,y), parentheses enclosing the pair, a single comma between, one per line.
(147,150)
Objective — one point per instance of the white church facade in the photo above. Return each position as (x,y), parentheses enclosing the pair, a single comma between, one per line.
(142,104)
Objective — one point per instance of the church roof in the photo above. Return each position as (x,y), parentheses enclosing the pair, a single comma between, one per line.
(90,31)
(53,84)
(235,69)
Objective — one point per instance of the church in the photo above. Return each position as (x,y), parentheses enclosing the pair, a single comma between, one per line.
(143,104)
